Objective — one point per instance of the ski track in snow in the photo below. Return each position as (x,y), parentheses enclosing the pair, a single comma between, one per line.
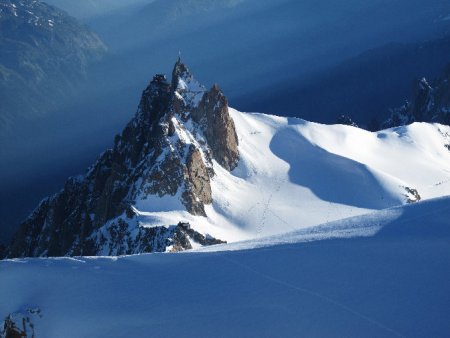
(302,194)
(295,174)
(360,226)
(375,285)
(314,294)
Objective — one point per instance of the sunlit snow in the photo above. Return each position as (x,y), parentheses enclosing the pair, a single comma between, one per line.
(295,174)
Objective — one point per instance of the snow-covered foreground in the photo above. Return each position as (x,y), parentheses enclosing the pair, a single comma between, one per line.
(392,284)
(294,174)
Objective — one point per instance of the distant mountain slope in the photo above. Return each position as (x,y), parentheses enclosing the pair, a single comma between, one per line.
(44,53)
(171,10)
(187,157)
(280,47)
(392,284)
(430,103)
(87,9)
(277,46)
(364,87)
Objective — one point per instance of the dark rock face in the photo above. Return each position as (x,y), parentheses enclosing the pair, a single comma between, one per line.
(2,251)
(430,103)
(21,324)
(210,111)
(412,195)
(11,330)
(212,114)
(186,230)
(165,150)
(122,239)
(346,120)
(423,100)
(198,190)
(44,55)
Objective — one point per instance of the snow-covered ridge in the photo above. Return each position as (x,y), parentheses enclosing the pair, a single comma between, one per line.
(187,157)
(294,174)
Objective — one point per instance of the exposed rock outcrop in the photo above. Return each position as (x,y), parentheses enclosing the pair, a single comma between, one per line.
(198,189)
(346,120)
(430,103)
(2,251)
(412,195)
(123,237)
(218,127)
(20,324)
(167,149)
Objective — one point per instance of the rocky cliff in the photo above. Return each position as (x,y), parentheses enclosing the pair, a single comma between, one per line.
(167,149)
(20,324)
(430,103)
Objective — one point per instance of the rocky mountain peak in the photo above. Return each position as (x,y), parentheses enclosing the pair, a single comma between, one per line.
(185,87)
(167,150)
(179,71)
(430,103)
(422,99)
(208,109)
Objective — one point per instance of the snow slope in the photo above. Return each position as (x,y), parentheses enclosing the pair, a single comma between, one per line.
(393,284)
(295,174)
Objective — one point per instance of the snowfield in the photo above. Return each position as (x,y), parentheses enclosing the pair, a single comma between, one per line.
(393,283)
(295,174)
(323,242)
